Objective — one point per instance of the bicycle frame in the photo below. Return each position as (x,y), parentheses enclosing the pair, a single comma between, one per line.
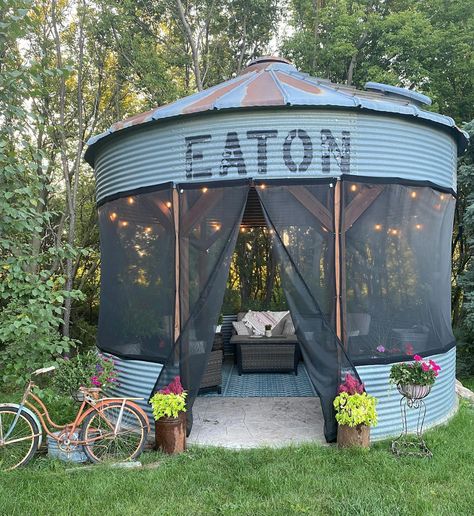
(41,411)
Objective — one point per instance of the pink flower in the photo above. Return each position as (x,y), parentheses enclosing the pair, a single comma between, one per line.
(425,366)
(95,381)
(409,349)
(417,358)
(380,349)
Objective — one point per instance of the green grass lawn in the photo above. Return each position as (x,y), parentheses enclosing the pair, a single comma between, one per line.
(309,479)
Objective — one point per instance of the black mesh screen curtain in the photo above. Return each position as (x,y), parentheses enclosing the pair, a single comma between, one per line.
(301,218)
(209,222)
(398,270)
(392,270)
(136,317)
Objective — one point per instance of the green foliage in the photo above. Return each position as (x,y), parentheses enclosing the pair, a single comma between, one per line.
(32,290)
(84,370)
(168,405)
(425,45)
(355,409)
(412,374)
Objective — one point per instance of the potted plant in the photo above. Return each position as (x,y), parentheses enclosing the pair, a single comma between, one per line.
(91,370)
(268,330)
(169,407)
(415,379)
(355,413)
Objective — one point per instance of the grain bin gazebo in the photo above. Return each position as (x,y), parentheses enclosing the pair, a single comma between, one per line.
(358,190)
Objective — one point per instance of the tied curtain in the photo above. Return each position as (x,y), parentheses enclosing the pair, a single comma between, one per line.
(398,270)
(209,222)
(300,217)
(137,243)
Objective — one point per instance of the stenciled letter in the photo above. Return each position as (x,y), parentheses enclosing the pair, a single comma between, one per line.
(194,155)
(232,155)
(329,146)
(261,137)
(307,151)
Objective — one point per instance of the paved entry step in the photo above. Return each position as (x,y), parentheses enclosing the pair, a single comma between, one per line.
(254,422)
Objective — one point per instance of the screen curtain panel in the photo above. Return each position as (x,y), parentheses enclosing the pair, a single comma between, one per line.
(397,270)
(209,222)
(137,306)
(301,218)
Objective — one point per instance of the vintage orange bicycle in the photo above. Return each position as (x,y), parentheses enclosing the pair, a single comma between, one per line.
(108,429)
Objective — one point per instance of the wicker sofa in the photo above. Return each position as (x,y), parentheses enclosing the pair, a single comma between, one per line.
(278,353)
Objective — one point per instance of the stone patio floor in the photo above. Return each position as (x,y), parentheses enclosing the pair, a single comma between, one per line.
(254,422)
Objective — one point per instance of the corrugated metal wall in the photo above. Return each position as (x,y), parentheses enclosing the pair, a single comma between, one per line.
(440,403)
(137,378)
(380,146)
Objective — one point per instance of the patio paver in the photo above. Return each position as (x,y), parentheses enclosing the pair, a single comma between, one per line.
(254,422)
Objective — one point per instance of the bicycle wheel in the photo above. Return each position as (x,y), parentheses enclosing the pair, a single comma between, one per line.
(17,447)
(105,443)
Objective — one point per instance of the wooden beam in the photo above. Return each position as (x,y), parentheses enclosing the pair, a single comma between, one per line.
(361,203)
(313,205)
(204,204)
(177,321)
(337,257)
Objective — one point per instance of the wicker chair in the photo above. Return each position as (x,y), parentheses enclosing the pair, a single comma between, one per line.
(212,378)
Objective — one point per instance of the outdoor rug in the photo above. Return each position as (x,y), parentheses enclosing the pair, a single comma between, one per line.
(263,384)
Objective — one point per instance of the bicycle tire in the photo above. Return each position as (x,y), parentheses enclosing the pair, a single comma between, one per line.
(26,425)
(101,450)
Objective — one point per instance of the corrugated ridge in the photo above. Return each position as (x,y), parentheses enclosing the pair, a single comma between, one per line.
(380,147)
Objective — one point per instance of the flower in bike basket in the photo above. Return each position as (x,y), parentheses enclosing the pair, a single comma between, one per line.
(95,381)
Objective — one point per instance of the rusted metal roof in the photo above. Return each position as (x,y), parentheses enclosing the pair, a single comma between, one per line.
(271,81)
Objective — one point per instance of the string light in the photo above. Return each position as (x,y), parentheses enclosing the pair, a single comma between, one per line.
(242,230)
(204,190)
(148,230)
(353,188)
(413,195)
(130,200)
(217,227)
(169,204)
(262,187)
(113,216)
(123,223)
(394,232)
(378,227)
(419,226)
(442,197)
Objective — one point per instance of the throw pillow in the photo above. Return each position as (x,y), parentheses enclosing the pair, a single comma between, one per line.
(240,328)
(277,330)
(289,328)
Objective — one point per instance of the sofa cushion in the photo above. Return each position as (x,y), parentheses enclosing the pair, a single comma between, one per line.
(240,328)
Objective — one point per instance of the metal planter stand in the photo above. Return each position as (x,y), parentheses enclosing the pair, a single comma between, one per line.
(412,445)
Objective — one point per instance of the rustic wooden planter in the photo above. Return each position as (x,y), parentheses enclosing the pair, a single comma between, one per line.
(170,434)
(348,436)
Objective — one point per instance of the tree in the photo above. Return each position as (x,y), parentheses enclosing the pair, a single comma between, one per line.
(32,291)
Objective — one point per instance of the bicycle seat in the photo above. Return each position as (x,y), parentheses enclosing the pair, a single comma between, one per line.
(43,370)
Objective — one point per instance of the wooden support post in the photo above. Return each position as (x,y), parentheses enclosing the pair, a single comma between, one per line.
(177,311)
(337,257)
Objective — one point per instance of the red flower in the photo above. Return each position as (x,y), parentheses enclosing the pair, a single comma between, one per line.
(417,358)
(174,387)
(409,350)
(425,366)
(351,385)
